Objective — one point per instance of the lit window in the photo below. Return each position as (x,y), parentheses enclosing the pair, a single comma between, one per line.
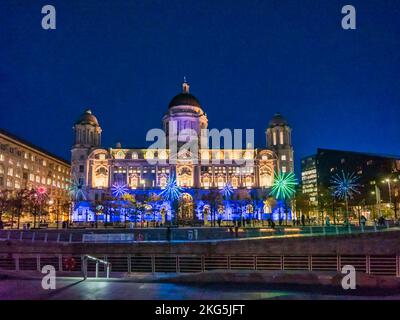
(281,137)
(1,157)
(274,138)
(283,169)
(10,171)
(283,157)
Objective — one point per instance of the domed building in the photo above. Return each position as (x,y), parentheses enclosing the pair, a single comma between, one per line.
(183,181)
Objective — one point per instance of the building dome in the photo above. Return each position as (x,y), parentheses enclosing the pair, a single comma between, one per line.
(88,118)
(184,98)
(278,120)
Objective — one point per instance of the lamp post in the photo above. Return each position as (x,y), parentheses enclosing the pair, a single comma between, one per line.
(389,183)
(50,203)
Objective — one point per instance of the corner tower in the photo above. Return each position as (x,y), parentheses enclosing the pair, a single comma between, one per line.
(87,136)
(279,140)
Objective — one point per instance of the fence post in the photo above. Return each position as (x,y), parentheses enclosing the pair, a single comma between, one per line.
(129,263)
(33,236)
(21,235)
(58,237)
(70,237)
(38,262)
(16,262)
(84,267)
(60,266)
(45,237)
(108,270)
(9,235)
(153,264)
(97,269)
(368,265)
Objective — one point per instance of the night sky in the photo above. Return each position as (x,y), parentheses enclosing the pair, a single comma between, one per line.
(245,60)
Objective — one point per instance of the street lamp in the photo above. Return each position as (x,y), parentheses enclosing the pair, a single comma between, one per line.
(389,181)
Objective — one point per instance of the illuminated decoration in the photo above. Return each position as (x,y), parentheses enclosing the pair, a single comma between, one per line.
(119,189)
(172,191)
(284,186)
(77,189)
(41,193)
(344,186)
(41,190)
(227,190)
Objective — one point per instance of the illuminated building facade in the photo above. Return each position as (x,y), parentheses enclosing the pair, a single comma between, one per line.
(26,166)
(309,178)
(378,179)
(248,172)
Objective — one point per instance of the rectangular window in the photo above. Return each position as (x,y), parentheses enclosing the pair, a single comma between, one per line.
(283,169)
(10,171)
(281,137)
(81,169)
(283,157)
(274,138)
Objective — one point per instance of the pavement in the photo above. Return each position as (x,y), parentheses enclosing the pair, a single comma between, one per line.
(166,287)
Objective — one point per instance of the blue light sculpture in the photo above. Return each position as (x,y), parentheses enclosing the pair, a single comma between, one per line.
(119,189)
(172,191)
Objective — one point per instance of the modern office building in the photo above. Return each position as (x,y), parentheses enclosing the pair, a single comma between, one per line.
(377,178)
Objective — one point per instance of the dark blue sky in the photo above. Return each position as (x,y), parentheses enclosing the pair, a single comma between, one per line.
(245,60)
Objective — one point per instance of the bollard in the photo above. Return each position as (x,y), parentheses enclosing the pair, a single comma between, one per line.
(58,238)
(21,235)
(9,235)
(349,228)
(70,237)
(33,237)
(45,237)
(336,229)
(311,232)
(375,229)
(108,270)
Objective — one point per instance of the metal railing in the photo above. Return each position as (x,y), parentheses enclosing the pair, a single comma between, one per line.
(98,261)
(369,264)
(143,235)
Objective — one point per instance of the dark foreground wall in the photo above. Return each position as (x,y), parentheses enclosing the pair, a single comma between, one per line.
(380,243)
